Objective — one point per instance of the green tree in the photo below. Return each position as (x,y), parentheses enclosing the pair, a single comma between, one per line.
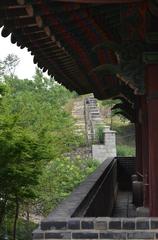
(59,179)
(20,166)
(35,133)
(10,63)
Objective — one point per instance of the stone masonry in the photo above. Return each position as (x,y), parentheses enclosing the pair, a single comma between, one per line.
(101,152)
(93,117)
(97,228)
(61,225)
(78,114)
(110,143)
(88,117)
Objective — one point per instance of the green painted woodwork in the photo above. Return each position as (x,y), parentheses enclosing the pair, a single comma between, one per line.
(107,69)
(152,37)
(150,57)
(109,45)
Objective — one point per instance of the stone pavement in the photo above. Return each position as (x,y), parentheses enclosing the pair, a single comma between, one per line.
(123,206)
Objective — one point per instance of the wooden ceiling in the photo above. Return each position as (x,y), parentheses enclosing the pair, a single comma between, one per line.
(61,36)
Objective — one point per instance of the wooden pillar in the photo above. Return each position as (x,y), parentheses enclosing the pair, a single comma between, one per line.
(142,156)
(151,76)
(145,152)
(138,138)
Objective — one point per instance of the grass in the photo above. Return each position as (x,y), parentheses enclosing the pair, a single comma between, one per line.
(125,151)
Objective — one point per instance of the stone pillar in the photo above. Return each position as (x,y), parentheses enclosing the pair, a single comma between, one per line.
(101,152)
(106,128)
(110,142)
(151,76)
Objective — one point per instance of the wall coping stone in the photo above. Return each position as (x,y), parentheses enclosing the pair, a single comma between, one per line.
(79,233)
(98,228)
(67,207)
(63,224)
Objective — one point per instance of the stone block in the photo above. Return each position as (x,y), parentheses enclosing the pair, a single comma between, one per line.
(55,224)
(74,224)
(115,224)
(142,224)
(99,152)
(129,224)
(84,235)
(154,223)
(142,212)
(101,224)
(58,235)
(140,235)
(87,224)
(112,235)
(37,234)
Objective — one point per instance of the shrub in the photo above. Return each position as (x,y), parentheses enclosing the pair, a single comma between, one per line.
(100,134)
(125,151)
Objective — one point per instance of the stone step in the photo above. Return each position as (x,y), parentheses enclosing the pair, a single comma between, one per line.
(79,124)
(94,110)
(92,106)
(87,106)
(92,100)
(95,114)
(78,107)
(79,117)
(94,118)
(78,112)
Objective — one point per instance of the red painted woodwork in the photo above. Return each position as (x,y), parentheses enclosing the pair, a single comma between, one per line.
(138,138)
(152,107)
(100,1)
(145,152)
(142,165)
(139,164)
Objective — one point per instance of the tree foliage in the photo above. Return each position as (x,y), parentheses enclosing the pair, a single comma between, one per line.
(9,64)
(35,133)
(59,179)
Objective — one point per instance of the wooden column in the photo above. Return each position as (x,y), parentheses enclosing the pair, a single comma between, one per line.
(138,138)
(145,151)
(151,76)
(142,156)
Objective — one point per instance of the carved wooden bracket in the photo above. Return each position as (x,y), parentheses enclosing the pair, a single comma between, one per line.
(130,68)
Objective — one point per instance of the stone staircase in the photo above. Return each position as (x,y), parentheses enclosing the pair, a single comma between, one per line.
(93,117)
(78,114)
(87,115)
(88,118)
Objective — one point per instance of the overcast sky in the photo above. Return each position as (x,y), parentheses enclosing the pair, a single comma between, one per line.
(26,67)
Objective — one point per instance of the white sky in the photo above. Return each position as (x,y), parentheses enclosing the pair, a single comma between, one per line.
(26,67)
